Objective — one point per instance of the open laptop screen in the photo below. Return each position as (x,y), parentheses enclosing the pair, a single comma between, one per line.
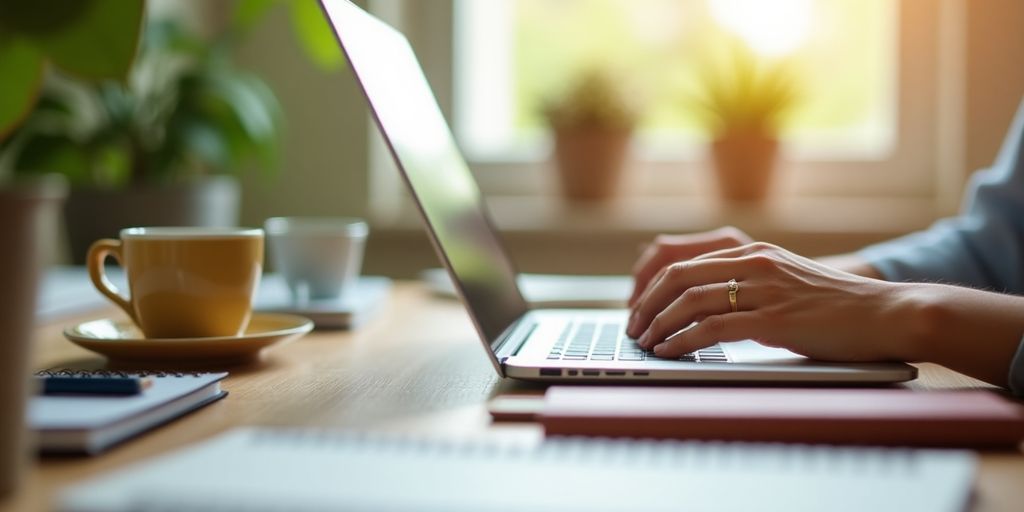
(425,151)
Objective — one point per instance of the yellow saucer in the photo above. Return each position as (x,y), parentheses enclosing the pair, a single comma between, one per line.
(121,339)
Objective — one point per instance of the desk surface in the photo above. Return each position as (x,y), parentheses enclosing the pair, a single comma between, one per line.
(417,366)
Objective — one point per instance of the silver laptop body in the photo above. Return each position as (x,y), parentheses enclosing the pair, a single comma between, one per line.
(540,344)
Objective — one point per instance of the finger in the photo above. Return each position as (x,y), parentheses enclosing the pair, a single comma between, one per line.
(675,280)
(668,249)
(735,252)
(711,330)
(631,324)
(693,305)
(657,277)
(645,268)
(756,248)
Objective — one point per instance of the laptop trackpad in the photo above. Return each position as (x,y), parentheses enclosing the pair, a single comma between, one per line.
(750,351)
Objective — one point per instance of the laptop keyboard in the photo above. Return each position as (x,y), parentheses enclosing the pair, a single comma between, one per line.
(607,341)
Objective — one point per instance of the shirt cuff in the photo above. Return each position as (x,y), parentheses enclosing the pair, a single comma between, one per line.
(894,261)
(1017,372)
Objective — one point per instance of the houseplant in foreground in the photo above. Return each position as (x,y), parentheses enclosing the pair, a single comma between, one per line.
(158,148)
(593,124)
(742,105)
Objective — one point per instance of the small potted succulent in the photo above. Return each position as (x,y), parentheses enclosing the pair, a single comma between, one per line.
(593,123)
(743,108)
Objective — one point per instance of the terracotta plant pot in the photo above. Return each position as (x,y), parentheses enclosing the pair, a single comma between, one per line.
(745,165)
(590,161)
(23,209)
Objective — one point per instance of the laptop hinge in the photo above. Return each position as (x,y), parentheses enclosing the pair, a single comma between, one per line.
(514,334)
(522,339)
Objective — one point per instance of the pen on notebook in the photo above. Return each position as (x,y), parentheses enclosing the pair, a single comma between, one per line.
(93,385)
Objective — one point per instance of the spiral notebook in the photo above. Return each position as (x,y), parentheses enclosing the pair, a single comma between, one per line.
(92,423)
(262,469)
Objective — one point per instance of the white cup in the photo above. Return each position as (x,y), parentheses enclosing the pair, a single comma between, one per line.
(319,257)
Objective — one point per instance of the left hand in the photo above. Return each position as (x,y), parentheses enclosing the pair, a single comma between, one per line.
(784,300)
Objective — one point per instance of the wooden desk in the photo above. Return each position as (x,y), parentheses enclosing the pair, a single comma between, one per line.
(417,366)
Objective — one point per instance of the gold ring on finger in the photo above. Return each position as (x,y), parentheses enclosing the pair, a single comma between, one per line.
(734,289)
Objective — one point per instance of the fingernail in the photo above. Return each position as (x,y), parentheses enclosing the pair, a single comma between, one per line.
(643,340)
(659,349)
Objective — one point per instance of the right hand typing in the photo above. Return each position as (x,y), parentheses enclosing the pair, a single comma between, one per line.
(668,249)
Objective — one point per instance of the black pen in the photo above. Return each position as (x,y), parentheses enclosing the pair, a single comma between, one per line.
(93,385)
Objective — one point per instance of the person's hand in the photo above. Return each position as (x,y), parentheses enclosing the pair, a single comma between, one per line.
(784,300)
(668,249)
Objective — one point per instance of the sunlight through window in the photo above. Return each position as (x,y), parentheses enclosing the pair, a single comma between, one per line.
(514,55)
(775,28)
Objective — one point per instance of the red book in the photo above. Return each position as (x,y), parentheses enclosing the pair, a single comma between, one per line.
(894,417)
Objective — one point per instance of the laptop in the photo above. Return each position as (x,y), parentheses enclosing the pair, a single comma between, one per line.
(578,345)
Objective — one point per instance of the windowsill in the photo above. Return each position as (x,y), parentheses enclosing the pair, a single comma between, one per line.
(544,234)
(876,217)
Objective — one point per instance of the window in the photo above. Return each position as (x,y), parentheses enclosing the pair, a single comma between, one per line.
(513,55)
(881,122)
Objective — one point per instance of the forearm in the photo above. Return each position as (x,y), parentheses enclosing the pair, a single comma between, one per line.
(853,264)
(973,332)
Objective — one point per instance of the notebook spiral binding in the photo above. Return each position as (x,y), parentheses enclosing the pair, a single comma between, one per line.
(84,374)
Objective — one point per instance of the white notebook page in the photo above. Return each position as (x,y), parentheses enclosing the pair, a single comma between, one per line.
(267,469)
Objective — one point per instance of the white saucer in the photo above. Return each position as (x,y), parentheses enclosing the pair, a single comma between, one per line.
(122,340)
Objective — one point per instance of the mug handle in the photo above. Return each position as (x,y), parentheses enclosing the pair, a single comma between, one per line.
(98,253)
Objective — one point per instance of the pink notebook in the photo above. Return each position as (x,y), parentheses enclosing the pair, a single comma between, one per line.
(979,419)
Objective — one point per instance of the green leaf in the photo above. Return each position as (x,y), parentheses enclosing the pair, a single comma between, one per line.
(21,67)
(249,12)
(34,17)
(254,112)
(315,35)
(206,142)
(44,153)
(101,43)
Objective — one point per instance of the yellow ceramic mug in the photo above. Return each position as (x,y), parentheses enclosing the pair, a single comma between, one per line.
(184,282)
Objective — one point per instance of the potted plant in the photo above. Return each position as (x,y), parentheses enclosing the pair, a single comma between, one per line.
(743,109)
(156,149)
(593,125)
(94,40)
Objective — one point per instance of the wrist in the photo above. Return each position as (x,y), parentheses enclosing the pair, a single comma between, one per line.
(974,332)
(918,317)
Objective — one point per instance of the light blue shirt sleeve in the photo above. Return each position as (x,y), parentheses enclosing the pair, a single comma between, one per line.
(982,248)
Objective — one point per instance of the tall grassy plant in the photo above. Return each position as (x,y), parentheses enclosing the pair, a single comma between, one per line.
(596,98)
(743,94)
